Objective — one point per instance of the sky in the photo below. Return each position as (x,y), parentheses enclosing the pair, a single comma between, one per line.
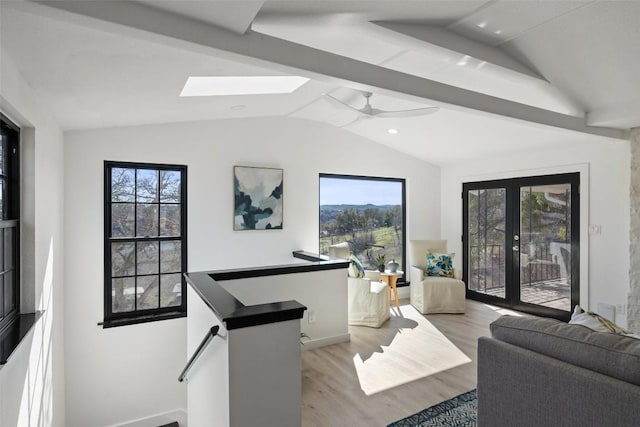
(337,191)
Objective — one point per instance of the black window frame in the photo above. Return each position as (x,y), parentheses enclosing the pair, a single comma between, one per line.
(10,217)
(401,280)
(112,319)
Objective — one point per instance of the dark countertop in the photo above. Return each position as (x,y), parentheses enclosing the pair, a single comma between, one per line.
(15,332)
(234,313)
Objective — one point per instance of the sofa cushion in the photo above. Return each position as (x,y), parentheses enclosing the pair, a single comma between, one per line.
(610,354)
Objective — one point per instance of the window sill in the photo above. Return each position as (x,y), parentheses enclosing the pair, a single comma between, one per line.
(142,319)
(13,334)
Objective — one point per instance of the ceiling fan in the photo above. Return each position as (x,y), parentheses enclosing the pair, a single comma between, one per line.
(368,111)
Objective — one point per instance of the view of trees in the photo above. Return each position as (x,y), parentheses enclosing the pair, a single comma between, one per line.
(145,203)
(370,231)
(486,225)
(544,218)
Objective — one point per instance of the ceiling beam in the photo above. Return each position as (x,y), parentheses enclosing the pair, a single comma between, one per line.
(423,33)
(306,61)
(624,115)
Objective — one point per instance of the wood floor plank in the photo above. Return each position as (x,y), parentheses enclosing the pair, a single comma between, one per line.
(331,390)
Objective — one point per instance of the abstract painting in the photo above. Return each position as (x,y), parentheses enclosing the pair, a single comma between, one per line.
(258,198)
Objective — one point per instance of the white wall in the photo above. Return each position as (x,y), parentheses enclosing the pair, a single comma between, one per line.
(32,390)
(146,359)
(323,292)
(604,169)
(208,379)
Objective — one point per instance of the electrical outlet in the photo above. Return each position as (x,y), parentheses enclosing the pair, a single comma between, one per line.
(595,229)
(312,316)
(621,308)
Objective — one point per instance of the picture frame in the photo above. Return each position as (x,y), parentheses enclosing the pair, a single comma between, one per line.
(258,198)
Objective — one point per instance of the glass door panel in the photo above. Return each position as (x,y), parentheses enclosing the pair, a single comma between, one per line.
(521,243)
(545,245)
(486,241)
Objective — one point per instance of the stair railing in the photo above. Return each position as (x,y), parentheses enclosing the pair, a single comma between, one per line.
(205,341)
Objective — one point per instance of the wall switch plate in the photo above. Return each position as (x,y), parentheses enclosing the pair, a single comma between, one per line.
(595,229)
(312,316)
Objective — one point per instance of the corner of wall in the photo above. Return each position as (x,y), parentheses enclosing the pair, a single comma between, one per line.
(633,312)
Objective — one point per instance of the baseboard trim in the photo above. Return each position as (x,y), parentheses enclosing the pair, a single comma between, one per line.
(321,342)
(177,415)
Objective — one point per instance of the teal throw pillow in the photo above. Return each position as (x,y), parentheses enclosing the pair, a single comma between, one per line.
(439,264)
(356,269)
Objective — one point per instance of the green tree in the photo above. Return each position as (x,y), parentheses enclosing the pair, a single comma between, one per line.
(349,221)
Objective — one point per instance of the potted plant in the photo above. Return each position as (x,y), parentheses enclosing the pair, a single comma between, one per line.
(380,259)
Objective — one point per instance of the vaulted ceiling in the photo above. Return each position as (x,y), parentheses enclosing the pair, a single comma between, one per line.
(507,75)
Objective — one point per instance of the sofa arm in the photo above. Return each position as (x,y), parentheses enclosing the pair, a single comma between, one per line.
(417,274)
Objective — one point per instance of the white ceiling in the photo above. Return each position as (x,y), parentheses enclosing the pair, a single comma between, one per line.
(572,59)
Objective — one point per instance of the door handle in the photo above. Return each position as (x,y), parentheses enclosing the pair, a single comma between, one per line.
(516,248)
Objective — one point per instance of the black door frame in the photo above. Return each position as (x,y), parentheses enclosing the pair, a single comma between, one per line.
(512,227)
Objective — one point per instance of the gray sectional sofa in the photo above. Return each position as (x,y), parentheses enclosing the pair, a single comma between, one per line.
(537,372)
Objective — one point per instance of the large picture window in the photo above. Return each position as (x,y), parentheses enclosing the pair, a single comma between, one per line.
(145,242)
(9,222)
(368,213)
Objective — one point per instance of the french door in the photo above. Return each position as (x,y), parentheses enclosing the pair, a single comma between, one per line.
(521,243)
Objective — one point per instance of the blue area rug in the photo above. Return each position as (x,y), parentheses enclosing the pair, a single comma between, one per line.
(460,411)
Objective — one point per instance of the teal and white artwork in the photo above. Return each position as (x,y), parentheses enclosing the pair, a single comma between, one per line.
(258,198)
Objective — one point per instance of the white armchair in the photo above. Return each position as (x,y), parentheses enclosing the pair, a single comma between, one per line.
(367,299)
(433,294)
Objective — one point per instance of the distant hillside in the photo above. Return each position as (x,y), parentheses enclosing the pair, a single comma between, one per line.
(329,212)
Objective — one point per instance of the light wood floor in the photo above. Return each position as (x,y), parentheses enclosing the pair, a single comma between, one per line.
(331,392)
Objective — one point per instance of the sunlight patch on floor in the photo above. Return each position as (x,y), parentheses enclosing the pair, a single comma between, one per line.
(504,311)
(413,353)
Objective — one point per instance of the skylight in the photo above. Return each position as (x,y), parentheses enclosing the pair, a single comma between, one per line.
(241,85)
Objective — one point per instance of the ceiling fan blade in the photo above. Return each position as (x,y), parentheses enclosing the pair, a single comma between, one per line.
(339,103)
(407,113)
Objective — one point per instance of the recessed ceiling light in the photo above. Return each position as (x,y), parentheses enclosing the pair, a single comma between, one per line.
(482,24)
(498,31)
(392,131)
(238,107)
(241,85)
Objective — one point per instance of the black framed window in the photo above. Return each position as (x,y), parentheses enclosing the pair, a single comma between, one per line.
(367,212)
(9,221)
(145,242)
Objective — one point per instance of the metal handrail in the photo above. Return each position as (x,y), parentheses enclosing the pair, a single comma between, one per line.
(205,341)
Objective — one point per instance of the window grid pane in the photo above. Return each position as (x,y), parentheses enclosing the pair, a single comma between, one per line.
(145,268)
(9,220)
